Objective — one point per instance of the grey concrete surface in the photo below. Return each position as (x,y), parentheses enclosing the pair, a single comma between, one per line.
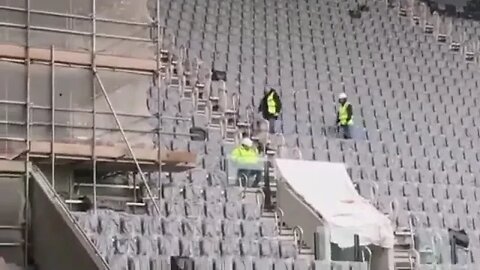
(55,233)
(12,201)
(120,10)
(73,91)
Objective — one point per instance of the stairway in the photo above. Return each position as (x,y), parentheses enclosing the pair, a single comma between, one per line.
(285,234)
(405,257)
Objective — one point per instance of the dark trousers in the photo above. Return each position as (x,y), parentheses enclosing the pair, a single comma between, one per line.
(345,130)
(244,175)
(271,125)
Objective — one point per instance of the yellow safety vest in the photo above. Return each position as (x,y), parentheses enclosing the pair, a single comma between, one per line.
(343,115)
(245,155)
(272,105)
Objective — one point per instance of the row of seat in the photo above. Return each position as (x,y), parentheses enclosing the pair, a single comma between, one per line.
(193,246)
(400,190)
(177,210)
(123,262)
(199,193)
(434,246)
(148,225)
(415,98)
(448,267)
(422,219)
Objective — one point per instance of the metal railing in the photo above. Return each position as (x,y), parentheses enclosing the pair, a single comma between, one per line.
(278,216)
(298,237)
(369,253)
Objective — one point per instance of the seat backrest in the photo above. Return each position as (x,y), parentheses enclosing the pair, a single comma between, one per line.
(321,265)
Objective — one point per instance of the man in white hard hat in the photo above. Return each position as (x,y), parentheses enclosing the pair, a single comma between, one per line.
(246,157)
(344,116)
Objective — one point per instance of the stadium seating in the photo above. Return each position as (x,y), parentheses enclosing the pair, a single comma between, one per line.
(413,95)
(210,223)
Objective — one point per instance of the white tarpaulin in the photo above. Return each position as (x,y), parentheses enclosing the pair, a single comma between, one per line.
(328,189)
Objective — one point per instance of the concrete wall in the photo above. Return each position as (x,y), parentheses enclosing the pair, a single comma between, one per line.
(63,176)
(130,10)
(57,241)
(299,213)
(73,86)
(73,90)
(12,201)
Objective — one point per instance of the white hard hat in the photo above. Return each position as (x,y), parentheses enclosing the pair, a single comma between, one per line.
(247,142)
(342,96)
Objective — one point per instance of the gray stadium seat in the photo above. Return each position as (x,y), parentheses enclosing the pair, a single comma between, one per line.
(119,262)
(160,263)
(415,98)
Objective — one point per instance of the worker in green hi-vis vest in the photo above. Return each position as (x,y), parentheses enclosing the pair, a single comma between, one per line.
(344,116)
(271,107)
(247,160)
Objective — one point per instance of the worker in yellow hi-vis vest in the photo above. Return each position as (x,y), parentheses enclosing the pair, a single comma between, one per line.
(271,107)
(248,161)
(345,116)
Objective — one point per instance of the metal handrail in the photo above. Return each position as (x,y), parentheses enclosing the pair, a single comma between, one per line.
(435,238)
(369,256)
(238,137)
(410,260)
(438,23)
(209,110)
(195,96)
(223,127)
(240,184)
(411,255)
(267,135)
(279,214)
(260,198)
(235,102)
(412,239)
(250,113)
(208,82)
(298,237)
(410,227)
(223,95)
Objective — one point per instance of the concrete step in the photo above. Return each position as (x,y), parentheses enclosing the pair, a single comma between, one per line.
(403,260)
(286,234)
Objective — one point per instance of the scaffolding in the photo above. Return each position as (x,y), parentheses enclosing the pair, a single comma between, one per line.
(51,53)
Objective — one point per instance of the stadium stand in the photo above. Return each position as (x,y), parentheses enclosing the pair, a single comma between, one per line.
(415,97)
(412,91)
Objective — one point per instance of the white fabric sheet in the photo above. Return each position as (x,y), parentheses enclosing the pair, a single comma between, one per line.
(328,189)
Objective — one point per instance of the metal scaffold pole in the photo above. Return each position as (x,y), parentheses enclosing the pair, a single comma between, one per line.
(129,146)
(27,159)
(94,106)
(52,85)
(159,79)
